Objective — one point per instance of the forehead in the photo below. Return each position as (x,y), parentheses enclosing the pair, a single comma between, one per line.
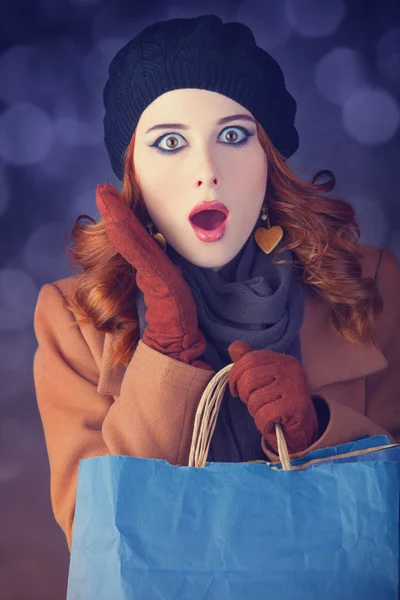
(190,106)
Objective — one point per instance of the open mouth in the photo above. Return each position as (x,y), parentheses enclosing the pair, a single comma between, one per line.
(208,219)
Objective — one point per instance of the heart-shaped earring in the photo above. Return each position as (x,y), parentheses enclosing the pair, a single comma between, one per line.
(268,239)
(158,237)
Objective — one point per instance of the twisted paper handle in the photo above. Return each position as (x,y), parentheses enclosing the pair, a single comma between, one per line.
(206,420)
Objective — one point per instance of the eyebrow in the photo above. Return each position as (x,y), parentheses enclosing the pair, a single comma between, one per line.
(219,122)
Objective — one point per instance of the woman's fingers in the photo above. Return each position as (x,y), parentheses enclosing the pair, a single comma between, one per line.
(126,232)
(110,203)
(114,210)
(238,349)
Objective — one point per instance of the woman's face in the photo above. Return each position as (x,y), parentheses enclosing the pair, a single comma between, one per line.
(203,161)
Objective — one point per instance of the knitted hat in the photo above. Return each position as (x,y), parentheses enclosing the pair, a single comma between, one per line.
(202,53)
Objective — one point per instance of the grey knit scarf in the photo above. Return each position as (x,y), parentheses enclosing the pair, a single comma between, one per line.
(252,300)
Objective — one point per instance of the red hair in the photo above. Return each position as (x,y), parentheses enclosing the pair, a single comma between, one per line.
(322,232)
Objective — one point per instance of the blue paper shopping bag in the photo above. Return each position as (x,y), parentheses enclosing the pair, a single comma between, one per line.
(367,448)
(145,529)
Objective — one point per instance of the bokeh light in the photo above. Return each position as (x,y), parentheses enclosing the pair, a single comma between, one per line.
(371,116)
(17,348)
(394,242)
(267,20)
(10,459)
(44,252)
(16,351)
(339,74)
(388,54)
(84,203)
(26,134)
(79,129)
(78,132)
(108,23)
(372,220)
(108,47)
(17,68)
(182,9)
(32,73)
(5,195)
(58,66)
(57,163)
(314,18)
(94,66)
(18,293)
(85,2)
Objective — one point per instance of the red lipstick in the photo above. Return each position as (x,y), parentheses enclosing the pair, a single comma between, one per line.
(209,228)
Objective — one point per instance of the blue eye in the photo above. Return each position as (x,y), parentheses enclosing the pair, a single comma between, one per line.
(242,130)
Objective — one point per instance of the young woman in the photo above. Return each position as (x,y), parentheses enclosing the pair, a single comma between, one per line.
(250,265)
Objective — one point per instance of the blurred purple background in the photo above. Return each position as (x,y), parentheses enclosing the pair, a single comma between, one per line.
(341,61)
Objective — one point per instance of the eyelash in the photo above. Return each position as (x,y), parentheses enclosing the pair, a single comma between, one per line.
(173,151)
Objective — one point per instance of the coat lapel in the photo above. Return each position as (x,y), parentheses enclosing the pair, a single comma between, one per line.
(110,380)
(327,356)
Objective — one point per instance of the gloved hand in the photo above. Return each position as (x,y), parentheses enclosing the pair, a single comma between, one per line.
(172,323)
(275,389)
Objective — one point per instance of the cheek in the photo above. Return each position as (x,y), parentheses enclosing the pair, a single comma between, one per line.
(155,183)
(249,172)
(160,191)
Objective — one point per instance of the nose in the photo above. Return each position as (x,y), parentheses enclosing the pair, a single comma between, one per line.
(206,173)
(203,181)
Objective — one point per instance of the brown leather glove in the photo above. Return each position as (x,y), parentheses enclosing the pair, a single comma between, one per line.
(275,389)
(172,323)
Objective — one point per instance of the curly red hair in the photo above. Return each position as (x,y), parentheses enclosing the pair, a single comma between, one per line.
(322,232)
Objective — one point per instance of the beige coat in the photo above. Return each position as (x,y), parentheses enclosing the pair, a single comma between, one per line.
(148,409)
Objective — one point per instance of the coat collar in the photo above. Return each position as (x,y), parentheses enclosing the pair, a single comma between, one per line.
(110,380)
(327,356)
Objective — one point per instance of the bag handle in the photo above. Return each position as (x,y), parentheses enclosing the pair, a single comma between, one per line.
(206,421)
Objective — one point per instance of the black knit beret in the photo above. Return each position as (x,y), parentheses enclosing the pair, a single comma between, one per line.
(204,53)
